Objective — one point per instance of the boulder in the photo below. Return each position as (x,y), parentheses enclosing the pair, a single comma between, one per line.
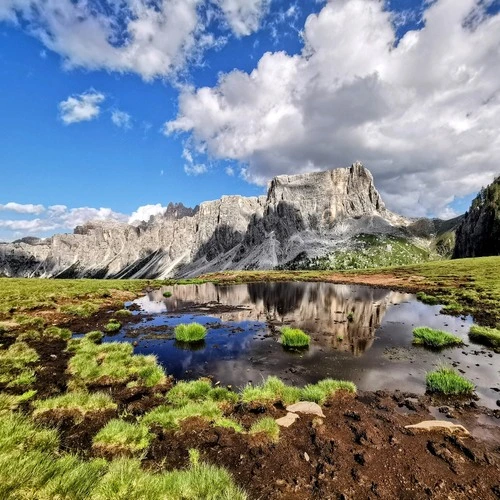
(439,426)
(307,408)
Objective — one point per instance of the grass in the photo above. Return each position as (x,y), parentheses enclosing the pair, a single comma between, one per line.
(95,336)
(123,313)
(436,339)
(324,389)
(449,382)
(272,390)
(85,310)
(31,466)
(113,326)
(32,321)
(78,401)
(9,402)
(15,365)
(193,332)
(118,436)
(112,362)
(485,335)
(267,426)
(427,299)
(293,337)
(199,390)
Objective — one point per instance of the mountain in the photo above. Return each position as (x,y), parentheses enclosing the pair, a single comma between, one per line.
(306,216)
(479,233)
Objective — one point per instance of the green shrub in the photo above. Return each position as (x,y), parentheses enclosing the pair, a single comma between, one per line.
(167,294)
(485,335)
(123,313)
(268,426)
(350,317)
(95,336)
(113,325)
(429,337)
(272,390)
(447,381)
(293,337)
(119,436)
(193,332)
(322,390)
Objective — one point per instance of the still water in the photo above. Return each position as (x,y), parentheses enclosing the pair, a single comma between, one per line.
(374,349)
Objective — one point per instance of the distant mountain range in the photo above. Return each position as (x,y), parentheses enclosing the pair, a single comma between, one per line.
(331,219)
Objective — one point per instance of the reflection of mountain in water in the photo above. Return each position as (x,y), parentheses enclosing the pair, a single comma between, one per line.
(321,309)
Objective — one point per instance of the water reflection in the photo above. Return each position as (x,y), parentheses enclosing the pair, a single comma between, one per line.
(341,316)
(374,350)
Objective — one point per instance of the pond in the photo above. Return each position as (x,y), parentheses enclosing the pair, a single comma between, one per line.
(358,333)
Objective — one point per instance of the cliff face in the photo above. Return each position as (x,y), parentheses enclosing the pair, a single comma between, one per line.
(310,213)
(479,232)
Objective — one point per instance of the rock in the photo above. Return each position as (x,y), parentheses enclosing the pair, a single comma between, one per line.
(306,457)
(287,420)
(307,408)
(308,214)
(439,426)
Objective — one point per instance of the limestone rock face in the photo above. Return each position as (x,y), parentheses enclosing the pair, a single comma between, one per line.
(310,213)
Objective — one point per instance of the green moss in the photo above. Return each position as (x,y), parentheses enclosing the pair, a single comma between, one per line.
(486,336)
(293,337)
(447,381)
(268,426)
(436,339)
(123,313)
(193,332)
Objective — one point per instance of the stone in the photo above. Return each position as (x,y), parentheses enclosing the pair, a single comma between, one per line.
(439,426)
(307,214)
(287,420)
(307,408)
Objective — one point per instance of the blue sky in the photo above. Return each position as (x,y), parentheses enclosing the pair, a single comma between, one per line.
(166,131)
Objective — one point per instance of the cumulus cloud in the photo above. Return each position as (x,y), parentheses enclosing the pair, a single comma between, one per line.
(145,212)
(82,107)
(121,119)
(422,112)
(21,208)
(244,16)
(151,39)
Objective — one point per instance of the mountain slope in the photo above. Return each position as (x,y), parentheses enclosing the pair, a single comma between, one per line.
(479,233)
(311,215)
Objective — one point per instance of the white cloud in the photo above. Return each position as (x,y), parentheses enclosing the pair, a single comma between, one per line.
(145,212)
(422,114)
(195,168)
(151,39)
(121,119)
(244,16)
(82,107)
(21,208)
(229,171)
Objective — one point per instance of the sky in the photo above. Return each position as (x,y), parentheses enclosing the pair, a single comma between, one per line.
(112,109)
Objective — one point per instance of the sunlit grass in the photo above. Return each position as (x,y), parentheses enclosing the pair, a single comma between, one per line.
(436,339)
(118,437)
(293,337)
(77,401)
(448,381)
(324,389)
(193,332)
(486,336)
(15,365)
(112,326)
(267,426)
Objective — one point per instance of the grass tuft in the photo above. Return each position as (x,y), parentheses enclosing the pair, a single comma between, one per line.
(80,402)
(193,332)
(436,339)
(197,391)
(324,389)
(123,313)
(447,381)
(485,335)
(15,365)
(293,337)
(120,437)
(95,336)
(85,310)
(427,299)
(271,391)
(268,426)
(113,326)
